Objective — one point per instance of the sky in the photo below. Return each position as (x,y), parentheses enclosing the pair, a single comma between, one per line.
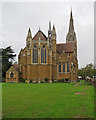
(17,17)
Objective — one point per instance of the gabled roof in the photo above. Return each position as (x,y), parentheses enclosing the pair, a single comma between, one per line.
(67,48)
(14,68)
(40,35)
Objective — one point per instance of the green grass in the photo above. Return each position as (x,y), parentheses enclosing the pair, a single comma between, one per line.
(56,100)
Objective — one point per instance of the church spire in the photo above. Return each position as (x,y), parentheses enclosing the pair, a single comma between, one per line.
(71,24)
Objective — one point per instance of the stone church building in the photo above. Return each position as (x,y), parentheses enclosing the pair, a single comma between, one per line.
(43,58)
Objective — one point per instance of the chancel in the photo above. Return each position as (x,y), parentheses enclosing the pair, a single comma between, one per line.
(43,58)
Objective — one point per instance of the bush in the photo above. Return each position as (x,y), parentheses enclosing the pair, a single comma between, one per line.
(67,79)
(30,81)
(23,80)
(42,81)
(62,80)
(46,79)
(26,81)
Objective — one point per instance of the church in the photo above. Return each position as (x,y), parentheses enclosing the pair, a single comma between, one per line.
(43,58)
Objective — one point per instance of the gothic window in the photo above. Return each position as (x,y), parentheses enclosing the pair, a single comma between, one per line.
(59,67)
(63,67)
(35,54)
(11,75)
(43,55)
(68,68)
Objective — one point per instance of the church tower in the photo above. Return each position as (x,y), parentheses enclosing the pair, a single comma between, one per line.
(71,36)
(29,38)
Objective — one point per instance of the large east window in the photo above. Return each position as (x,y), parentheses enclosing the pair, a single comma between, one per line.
(35,54)
(43,54)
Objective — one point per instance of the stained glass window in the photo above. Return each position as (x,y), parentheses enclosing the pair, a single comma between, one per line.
(35,54)
(68,68)
(43,55)
(59,67)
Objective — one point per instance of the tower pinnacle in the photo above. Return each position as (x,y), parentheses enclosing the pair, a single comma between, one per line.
(49,25)
(29,33)
(53,30)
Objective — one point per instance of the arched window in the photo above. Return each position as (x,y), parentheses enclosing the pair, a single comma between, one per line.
(63,67)
(43,55)
(35,54)
(68,67)
(59,67)
(11,75)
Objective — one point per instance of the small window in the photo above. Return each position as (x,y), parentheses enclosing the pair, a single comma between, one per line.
(63,67)
(35,46)
(68,68)
(43,46)
(11,75)
(59,67)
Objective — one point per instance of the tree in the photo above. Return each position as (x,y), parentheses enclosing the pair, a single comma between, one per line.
(87,71)
(7,59)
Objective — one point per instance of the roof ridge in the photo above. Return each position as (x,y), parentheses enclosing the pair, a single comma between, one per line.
(38,32)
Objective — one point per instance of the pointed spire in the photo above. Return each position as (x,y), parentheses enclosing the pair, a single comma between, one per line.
(29,30)
(71,16)
(53,30)
(49,25)
(29,33)
(71,25)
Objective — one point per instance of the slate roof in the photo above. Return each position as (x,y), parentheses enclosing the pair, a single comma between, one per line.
(66,47)
(41,35)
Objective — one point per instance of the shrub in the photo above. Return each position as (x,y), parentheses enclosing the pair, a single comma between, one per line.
(23,80)
(42,81)
(46,79)
(62,80)
(26,81)
(67,79)
(30,81)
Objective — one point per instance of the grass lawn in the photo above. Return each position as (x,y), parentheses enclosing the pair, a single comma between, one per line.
(46,100)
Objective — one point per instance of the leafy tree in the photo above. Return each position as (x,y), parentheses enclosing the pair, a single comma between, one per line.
(7,59)
(87,71)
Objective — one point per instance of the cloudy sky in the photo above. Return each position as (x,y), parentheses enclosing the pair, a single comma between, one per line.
(17,17)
